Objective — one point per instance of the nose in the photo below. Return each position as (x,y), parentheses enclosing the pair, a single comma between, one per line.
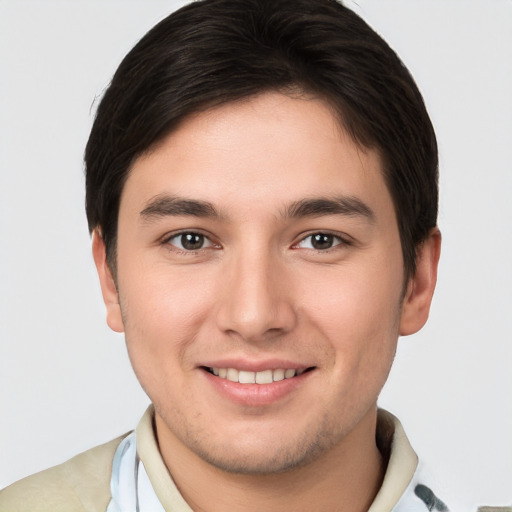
(256,302)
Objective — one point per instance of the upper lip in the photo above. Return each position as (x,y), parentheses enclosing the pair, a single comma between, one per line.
(255,365)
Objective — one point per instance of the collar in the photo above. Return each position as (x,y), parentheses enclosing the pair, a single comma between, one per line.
(402,461)
(140,476)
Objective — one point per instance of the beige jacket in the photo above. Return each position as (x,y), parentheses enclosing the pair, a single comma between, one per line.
(82,484)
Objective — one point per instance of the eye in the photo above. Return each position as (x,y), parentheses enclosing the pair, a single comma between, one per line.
(320,241)
(190,241)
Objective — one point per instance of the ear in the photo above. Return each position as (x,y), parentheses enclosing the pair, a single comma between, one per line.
(416,303)
(107,283)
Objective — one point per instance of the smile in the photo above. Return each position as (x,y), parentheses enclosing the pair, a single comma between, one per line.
(261,377)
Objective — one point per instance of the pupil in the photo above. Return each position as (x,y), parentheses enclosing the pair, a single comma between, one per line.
(192,241)
(322,241)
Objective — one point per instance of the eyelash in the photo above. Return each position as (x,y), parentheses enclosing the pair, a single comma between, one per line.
(340,240)
(206,239)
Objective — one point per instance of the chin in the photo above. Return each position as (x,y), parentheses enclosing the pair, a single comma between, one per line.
(261,463)
(253,455)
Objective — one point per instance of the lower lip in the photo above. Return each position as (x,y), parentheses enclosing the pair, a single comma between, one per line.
(256,395)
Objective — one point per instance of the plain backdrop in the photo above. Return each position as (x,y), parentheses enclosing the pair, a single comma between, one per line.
(65,381)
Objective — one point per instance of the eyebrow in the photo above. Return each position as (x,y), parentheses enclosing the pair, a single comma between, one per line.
(322,206)
(163,206)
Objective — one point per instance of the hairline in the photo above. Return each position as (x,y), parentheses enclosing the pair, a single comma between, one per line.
(293,91)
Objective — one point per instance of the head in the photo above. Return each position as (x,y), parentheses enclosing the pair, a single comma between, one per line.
(261,183)
(214,52)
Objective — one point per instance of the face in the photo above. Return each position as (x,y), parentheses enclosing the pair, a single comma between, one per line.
(259,283)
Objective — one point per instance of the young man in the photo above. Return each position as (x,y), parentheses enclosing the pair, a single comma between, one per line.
(262,196)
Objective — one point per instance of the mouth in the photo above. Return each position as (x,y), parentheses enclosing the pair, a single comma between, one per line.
(261,377)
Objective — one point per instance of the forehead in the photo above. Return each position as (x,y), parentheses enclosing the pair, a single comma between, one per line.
(267,150)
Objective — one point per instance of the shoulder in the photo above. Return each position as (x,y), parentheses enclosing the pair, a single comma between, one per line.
(82,483)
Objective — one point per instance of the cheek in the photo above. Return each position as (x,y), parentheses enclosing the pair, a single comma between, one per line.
(162,315)
(358,313)
(162,301)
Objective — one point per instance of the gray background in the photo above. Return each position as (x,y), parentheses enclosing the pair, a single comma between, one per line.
(65,380)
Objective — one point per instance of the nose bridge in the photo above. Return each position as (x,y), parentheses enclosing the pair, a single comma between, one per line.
(254,301)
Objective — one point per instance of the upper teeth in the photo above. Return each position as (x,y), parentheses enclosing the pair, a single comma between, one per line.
(263,377)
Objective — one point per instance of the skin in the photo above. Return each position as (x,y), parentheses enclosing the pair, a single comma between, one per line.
(260,293)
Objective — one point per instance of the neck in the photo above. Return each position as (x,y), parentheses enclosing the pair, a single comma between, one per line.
(347,477)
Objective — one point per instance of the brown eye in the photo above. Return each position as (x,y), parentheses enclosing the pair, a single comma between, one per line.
(190,241)
(320,241)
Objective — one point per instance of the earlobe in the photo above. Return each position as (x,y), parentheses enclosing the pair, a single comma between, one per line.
(107,283)
(420,290)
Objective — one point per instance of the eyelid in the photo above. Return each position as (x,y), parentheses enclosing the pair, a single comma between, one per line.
(166,240)
(343,240)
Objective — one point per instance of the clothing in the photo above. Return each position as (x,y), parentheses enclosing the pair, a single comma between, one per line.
(132,468)
(80,484)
